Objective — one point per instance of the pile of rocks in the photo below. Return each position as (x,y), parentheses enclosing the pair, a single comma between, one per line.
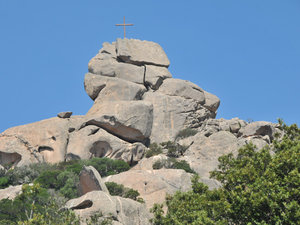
(136,102)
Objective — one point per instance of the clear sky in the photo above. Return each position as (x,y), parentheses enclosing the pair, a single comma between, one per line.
(245,52)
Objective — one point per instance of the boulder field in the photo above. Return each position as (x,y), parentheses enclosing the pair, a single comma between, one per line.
(137,102)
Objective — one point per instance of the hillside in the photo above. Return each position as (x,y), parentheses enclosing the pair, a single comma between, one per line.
(147,131)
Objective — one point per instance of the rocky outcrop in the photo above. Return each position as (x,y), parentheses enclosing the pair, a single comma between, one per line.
(153,185)
(122,210)
(136,102)
(111,88)
(129,120)
(92,141)
(45,140)
(10,192)
(64,115)
(141,52)
(90,180)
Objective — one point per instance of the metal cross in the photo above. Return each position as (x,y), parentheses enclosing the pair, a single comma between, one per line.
(124,24)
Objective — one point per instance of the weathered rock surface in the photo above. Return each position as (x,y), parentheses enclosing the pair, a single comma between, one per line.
(64,115)
(129,120)
(10,192)
(153,185)
(47,138)
(92,141)
(141,52)
(261,128)
(204,152)
(211,126)
(111,88)
(122,210)
(182,88)
(212,102)
(90,180)
(155,75)
(172,114)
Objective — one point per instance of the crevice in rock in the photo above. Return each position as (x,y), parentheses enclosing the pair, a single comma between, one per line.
(45,148)
(120,128)
(71,129)
(93,131)
(83,205)
(146,84)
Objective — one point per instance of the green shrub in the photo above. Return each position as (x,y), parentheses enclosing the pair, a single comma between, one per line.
(48,179)
(67,184)
(115,189)
(158,164)
(188,132)
(106,166)
(174,149)
(4,182)
(182,164)
(172,163)
(154,149)
(119,190)
(34,206)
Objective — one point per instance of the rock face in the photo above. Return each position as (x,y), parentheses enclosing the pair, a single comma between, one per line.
(10,192)
(153,185)
(122,210)
(141,52)
(129,120)
(136,102)
(90,180)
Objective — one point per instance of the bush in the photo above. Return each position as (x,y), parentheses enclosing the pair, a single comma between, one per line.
(154,149)
(48,179)
(67,184)
(119,190)
(172,163)
(34,206)
(188,132)
(106,166)
(174,149)
(182,164)
(3,182)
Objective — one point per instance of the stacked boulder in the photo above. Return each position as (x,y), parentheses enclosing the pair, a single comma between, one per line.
(136,102)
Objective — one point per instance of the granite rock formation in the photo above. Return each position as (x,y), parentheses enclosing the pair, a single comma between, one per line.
(136,102)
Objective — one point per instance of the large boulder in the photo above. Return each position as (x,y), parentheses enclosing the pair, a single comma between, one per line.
(141,52)
(153,185)
(155,75)
(111,89)
(212,102)
(92,141)
(203,153)
(112,68)
(261,128)
(128,120)
(16,151)
(174,113)
(47,138)
(90,180)
(122,210)
(182,88)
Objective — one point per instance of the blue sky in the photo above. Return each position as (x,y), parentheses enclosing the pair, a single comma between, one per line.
(245,52)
